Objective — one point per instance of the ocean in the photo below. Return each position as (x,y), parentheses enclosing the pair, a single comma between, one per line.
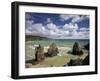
(60,42)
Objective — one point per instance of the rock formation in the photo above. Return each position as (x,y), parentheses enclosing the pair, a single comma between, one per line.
(86,61)
(76,49)
(75,62)
(39,53)
(53,50)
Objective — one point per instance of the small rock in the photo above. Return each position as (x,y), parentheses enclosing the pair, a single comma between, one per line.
(28,65)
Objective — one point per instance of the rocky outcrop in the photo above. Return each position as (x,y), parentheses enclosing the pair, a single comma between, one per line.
(39,53)
(53,50)
(76,49)
(86,61)
(75,62)
(78,62)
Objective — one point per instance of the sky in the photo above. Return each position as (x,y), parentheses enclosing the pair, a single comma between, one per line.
(57,26)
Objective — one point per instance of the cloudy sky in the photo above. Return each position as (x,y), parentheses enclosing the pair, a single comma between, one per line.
(57,26)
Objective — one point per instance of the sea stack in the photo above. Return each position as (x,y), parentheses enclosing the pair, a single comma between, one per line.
(39,53)
(53,50)
(76,49)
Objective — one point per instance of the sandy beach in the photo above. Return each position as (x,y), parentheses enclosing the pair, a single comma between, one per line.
(61,59)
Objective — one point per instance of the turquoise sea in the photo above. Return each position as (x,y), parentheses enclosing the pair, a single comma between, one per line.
(61,42)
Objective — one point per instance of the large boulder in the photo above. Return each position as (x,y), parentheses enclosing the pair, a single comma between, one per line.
(53,50)
(39,53)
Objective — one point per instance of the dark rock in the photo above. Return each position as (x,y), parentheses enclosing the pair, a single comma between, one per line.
(53,50)
(69,52)
(28,65)
(32,61)
(86,61)
(76,49)
(65,65)
(81,52)
(39,53)
(86,46)
(75,62)
(78,62)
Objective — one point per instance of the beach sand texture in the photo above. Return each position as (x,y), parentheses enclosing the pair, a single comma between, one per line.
(57,61)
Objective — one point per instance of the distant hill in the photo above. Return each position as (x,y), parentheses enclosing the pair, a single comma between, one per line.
(30,38)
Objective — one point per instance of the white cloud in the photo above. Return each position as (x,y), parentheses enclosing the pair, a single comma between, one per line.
(75,18)
(51,26)
(51,30)
(84,29)
(75,32)
(29,23)
(49,20)
(70,27)
(34,29)
(78,18)
(83,33)
(27,16)
(28,32)
(65,17)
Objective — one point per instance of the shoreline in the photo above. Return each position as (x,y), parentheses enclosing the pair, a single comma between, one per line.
(62,58)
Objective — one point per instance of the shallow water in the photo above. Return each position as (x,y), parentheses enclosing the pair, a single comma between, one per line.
(60,42)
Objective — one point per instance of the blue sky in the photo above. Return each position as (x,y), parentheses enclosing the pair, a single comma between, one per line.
(57,26)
